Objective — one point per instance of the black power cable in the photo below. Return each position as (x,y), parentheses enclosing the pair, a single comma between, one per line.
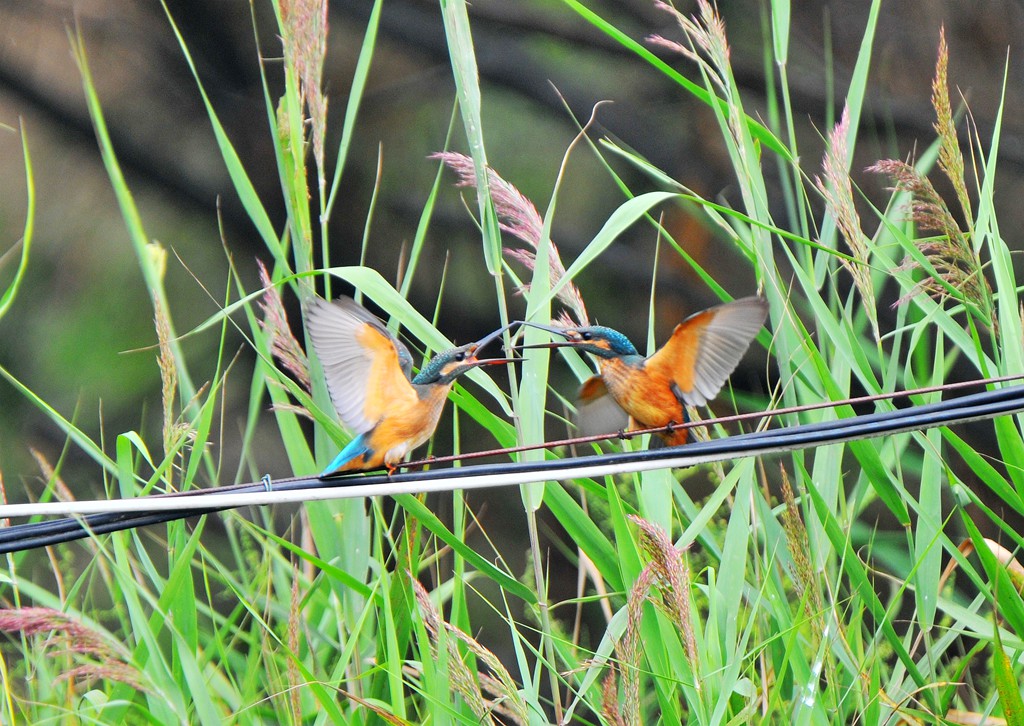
(987,404)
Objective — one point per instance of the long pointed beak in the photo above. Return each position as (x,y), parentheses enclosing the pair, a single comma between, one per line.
(492,336)
(486,340)
(555,344)
(495,361)
(547,328)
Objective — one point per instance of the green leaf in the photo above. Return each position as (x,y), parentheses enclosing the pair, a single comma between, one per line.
(91,448)
(618,222)
(1006,683)
(243,186)
(861,582)
(758,131)
(428,519)
(467,88)
(582,530)
(26,237)
(1004,596)
(355,97)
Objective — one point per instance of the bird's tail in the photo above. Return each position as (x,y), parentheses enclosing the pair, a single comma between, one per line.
(353,450)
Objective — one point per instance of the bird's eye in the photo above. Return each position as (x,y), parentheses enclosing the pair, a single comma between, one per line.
(460,356)
(586,335)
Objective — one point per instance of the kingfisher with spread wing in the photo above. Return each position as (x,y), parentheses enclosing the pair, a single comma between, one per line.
(369,377)
(689,370)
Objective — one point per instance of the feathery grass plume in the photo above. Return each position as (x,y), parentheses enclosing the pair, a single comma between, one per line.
(836,188)
(60,488)
(951,159)
(79,640)
(518,217)
(304,36)
(957,270)
(294,700)
(610,701)
(628,653)
(498,683)
(674,576)
(176,432)
(804,579)
(274,323)
(709,49)
(707,36)
(956,264)
(667,570)
(168,374)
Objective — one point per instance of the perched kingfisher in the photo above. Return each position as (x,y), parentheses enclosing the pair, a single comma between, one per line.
(689,370)
(368,372)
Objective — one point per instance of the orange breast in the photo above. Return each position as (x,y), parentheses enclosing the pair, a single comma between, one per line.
(404,426)
(646,397)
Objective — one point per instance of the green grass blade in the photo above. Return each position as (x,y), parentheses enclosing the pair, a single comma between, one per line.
(91,448)
(860,581)
(29,231)
(428,519)
(152,273)
(621,219)
(1008,602)
(243,185)
(467,88)
(759,132)
(355,97)
(582,530)
(1006,683)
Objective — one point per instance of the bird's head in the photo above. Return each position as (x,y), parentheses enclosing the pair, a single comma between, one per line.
(449,364)
(595,339)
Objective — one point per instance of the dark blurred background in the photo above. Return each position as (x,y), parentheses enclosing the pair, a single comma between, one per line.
(84,306)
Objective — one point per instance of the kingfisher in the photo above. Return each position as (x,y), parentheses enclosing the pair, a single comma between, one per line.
(369,377)
(689,370)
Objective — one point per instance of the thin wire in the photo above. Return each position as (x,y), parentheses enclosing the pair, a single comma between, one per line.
(361,477)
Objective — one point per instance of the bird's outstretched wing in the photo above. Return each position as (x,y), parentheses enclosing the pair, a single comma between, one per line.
(706,347)
(366,367)
(596,410)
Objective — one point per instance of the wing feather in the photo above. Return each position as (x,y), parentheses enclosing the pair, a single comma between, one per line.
(706,348)
(366,367)
(596,411)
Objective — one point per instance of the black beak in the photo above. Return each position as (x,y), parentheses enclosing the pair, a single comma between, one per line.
(548,328)
(559,344)
(487,339)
